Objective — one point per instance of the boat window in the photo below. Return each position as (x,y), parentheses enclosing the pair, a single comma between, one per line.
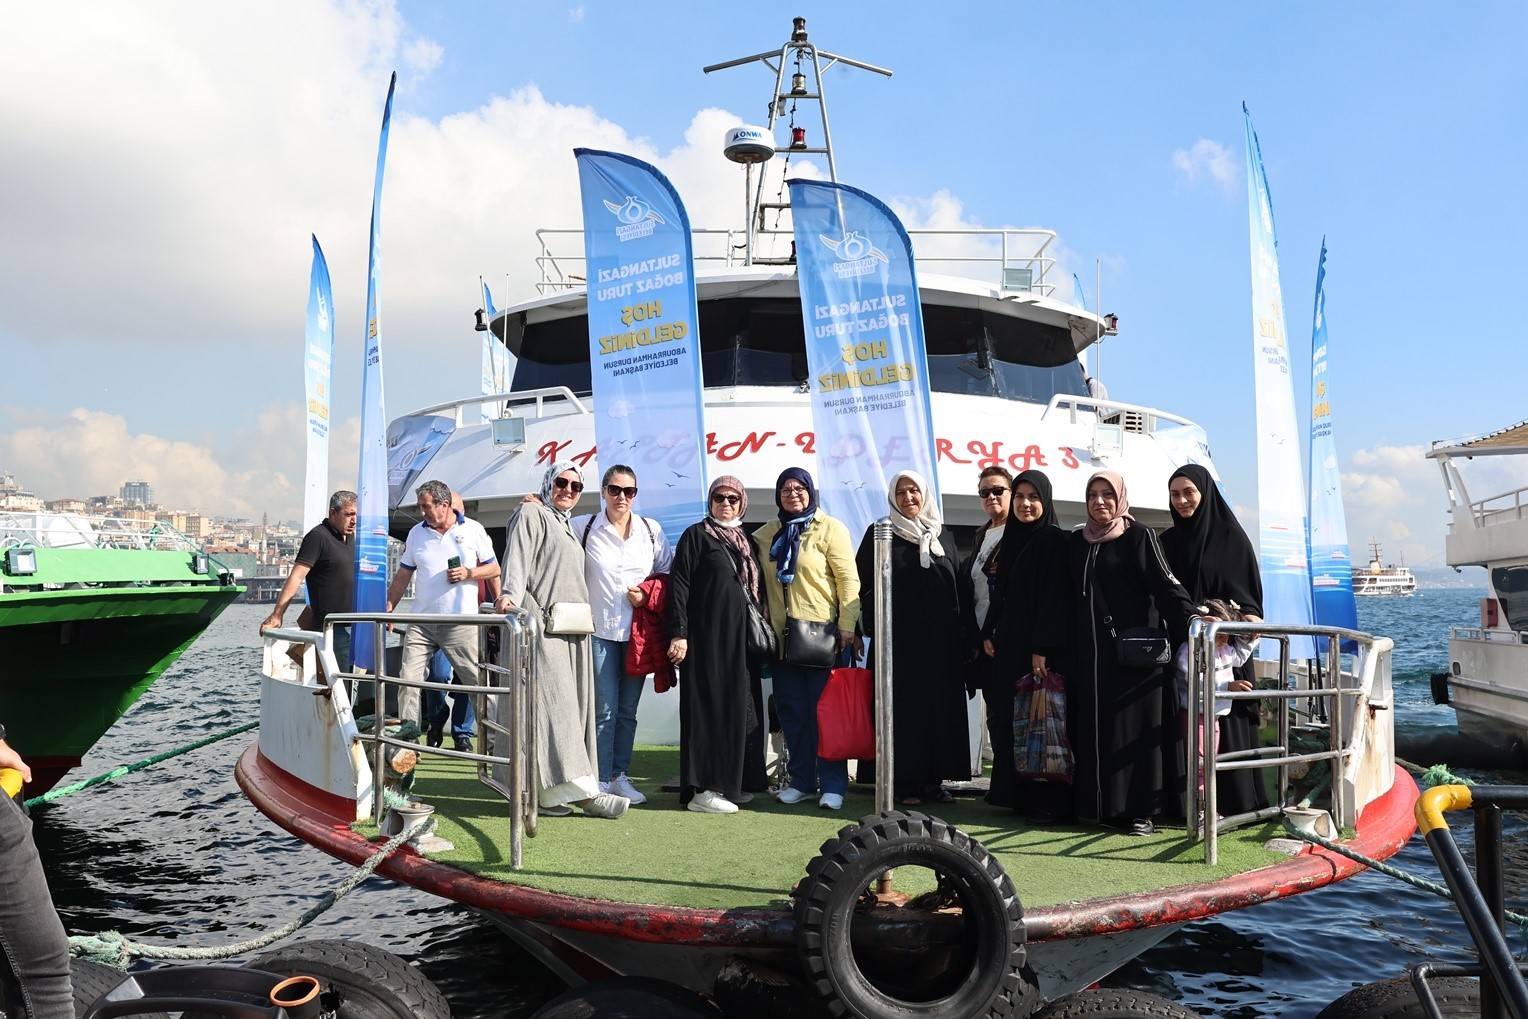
(1511,584)
(760,342)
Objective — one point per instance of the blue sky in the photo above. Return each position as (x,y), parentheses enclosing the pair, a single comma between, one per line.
(165,164)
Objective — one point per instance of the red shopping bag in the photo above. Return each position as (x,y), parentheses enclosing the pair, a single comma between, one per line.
(846,717)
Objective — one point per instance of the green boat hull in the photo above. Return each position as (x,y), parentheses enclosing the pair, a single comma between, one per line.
(78,657)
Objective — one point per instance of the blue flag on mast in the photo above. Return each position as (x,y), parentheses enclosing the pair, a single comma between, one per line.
(318,368)
(1331,562)
(644,334)
(864,349)
(1283,556)
(371,524)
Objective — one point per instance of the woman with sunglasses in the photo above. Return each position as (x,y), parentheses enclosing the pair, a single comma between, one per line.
(543,566)
(1123,722)
(810,576)
(930,640)
(981,589)
(621,550)
(721,704)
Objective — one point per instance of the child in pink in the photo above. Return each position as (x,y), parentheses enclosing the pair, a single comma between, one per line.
(1230,652)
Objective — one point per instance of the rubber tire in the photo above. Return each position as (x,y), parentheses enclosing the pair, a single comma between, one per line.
(93,979)
(998,983)
(628,998)
(359,981)
(1119,1003)
(1458,998)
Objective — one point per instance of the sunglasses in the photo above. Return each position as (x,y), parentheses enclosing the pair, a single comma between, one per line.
(615,491)
(730,500)
(573,486)
(988,493)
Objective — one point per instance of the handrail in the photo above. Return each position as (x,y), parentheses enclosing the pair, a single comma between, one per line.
(1110,406)
(503,696)
(455,407)
(49,529)
(1370,689)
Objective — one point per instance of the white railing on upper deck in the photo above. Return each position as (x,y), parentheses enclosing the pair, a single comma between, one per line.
(69,530)
(976,253)
(509,401)
(1497,509)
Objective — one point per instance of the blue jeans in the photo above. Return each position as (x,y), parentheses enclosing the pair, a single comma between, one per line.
(615,707)
(463,718)
(33,945)
(797,691)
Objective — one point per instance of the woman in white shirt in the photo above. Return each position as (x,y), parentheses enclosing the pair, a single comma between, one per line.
(621,549)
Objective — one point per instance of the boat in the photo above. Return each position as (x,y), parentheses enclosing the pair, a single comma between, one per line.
(1487,677)
(773,897)
(92,611)
(1381,578)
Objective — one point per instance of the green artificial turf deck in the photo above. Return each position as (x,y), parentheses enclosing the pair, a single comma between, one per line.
(661,854)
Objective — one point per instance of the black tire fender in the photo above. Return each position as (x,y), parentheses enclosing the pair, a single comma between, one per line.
(92,980)
(993,981)
(1457,997)
(628,997)
(1120,1003)
(359,981)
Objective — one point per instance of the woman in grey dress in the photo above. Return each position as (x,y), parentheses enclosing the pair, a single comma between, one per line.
(544,565)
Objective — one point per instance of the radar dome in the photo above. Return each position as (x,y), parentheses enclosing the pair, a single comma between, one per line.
(748,144)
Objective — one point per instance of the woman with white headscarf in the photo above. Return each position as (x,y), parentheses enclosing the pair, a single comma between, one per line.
(931,637)
(544,565)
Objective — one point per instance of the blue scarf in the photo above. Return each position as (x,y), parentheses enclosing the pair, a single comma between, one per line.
(786,547)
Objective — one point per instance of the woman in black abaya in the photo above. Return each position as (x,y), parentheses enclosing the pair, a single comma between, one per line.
(1029,634)
(1212,557)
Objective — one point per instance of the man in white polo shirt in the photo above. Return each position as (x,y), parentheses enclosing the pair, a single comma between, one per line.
(445,556)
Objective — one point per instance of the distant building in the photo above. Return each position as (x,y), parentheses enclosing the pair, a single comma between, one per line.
(67,505)
(140,492)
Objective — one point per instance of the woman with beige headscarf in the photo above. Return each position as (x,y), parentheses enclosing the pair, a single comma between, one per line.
(1123,719)
(931,637)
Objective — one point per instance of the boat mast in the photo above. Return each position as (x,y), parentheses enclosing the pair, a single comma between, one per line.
(801,54)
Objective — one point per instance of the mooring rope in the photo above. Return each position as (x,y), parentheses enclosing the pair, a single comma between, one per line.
(116,949)
(124,769)
(1387,869)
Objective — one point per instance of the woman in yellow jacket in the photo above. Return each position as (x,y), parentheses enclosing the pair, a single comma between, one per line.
(810,576)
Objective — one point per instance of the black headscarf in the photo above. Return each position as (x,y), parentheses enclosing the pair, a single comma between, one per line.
(1209,552)
(1017,534)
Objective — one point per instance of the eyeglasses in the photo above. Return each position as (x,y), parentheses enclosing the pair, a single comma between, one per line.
(730,500)
(573,486)
(793,490)
(616,491)
(1102,497)
(990,493)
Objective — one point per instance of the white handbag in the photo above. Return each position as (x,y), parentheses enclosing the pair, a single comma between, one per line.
(570,618)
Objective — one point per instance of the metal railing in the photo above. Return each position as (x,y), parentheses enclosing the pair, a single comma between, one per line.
(1367,687)
(504,698)
(44,529)
(509,400)
(1514,507)
(563,269)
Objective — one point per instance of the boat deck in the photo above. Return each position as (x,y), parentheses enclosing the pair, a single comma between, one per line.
(661,855)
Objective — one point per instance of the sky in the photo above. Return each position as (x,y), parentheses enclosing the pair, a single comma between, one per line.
(164,164)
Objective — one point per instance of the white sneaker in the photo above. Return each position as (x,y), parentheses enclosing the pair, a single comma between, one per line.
(742,798)
(831,801)
(790,794)
(621,786)
(708,802)
(606,805)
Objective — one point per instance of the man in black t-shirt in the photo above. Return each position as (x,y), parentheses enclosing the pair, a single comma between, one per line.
(326,560)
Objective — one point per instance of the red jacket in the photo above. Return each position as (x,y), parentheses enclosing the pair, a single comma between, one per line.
(647,650)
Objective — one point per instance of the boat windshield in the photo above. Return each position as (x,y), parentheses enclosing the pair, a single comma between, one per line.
(759,342)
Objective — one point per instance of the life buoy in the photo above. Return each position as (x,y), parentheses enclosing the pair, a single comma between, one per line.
(1121,1003)
(359,981)
(985,975)
(1457,997)
(628,998)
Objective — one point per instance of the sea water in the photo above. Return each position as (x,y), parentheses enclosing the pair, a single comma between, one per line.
(175,855)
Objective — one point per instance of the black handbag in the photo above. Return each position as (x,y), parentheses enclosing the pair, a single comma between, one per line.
(808,643)
(1136,647)
(760,639)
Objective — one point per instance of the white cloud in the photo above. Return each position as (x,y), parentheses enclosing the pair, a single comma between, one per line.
(1209,161)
